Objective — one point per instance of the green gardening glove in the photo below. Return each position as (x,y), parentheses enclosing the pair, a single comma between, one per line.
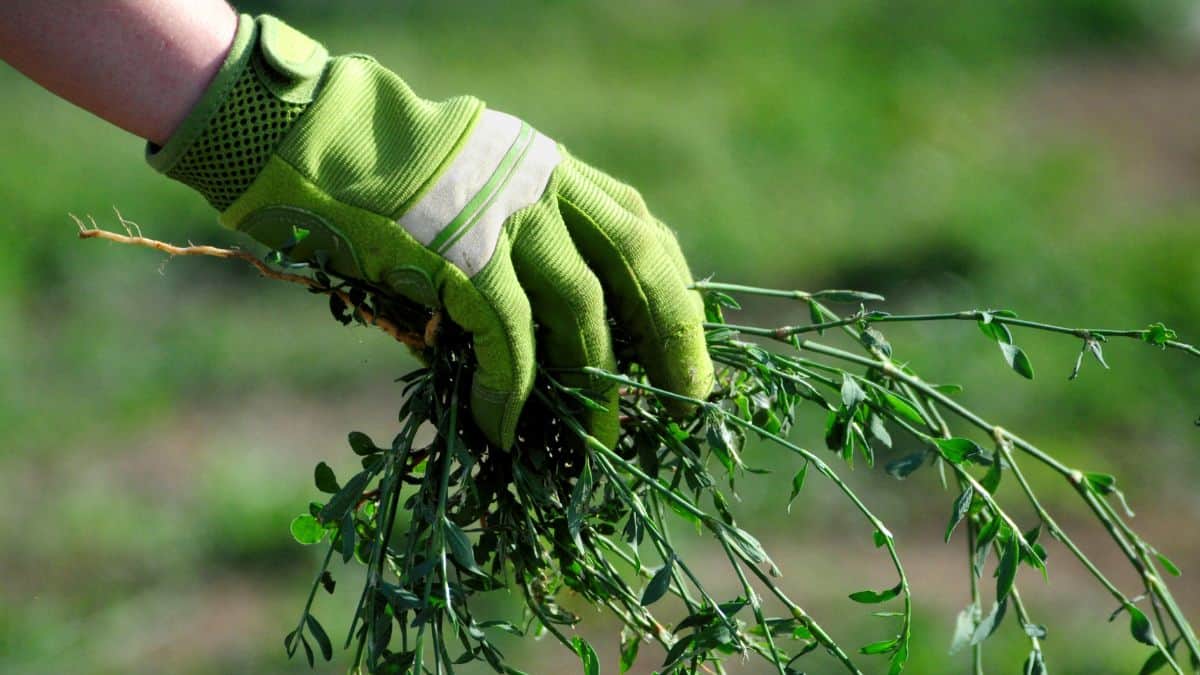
(449,204)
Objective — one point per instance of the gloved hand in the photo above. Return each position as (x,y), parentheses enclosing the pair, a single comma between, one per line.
(449,204)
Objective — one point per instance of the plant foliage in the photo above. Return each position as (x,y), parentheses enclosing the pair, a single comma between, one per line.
(440,518)
(561,512)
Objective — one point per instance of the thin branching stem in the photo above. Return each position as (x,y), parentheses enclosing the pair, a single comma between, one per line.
(524,514)
(1073,476)
(865,318)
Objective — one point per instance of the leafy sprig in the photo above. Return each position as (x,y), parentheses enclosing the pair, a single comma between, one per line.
(440,521)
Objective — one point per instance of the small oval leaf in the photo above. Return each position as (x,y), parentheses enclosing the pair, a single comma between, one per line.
(1006,573)
(1139,626)
(869,597)
(587,656)
(959,450)
(659,583)
(306,530)
(1017,360)
(325,480)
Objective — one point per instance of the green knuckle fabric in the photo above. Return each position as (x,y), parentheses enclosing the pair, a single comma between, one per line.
(639,260)
(450,204)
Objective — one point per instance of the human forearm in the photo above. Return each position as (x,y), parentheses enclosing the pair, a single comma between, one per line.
(140,64)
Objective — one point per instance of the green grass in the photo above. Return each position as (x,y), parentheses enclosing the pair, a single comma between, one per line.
(894,150)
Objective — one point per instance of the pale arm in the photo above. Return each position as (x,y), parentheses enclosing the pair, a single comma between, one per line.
(140,64)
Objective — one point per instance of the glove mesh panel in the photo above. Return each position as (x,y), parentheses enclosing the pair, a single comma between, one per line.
(237,142)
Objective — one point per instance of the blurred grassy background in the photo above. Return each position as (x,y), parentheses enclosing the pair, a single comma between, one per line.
(159,424)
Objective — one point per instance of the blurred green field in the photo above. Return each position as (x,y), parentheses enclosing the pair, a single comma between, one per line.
(159,423)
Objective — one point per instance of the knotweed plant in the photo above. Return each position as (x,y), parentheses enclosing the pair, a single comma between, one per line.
(439,517)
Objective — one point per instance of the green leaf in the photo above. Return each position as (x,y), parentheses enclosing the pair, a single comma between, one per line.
(500,624)
(325,479)
(676,652)
(318,633)
(869,597)
(874,340)
(659,584)
(781,627)
(748,545)
(903,407)
(991,480)
(959,450)
(959,511)
(1035,554)
(766,420)
(306,530)
(1017,360)
(879,430)
(987,533)
(994,329)
(722,506)
(342,502)
(308,652)
(581,494)
(815,316)
(990,623)
(880,538)
(1167,564)
(1006,573)
(346,535)
(881,647)
(860,440)
(798,485)
(686,514)
(1154,663)
(725,300)
(629,652)
(1158,334)
(1139,626)
(289,643)
(460,547)
(724,443)
(852,393)
(400,599)
(707,615)
(587,656)
(1101,483)
(837,429)
(361,443)
(722,299)
(1106,484)
(835,295)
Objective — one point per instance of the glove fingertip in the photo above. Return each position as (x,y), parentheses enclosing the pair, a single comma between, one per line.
(687,370)
(496,413)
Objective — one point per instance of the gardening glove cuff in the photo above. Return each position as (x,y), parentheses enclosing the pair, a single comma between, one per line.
(272,77)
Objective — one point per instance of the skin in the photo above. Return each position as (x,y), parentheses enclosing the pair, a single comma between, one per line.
(139,64)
